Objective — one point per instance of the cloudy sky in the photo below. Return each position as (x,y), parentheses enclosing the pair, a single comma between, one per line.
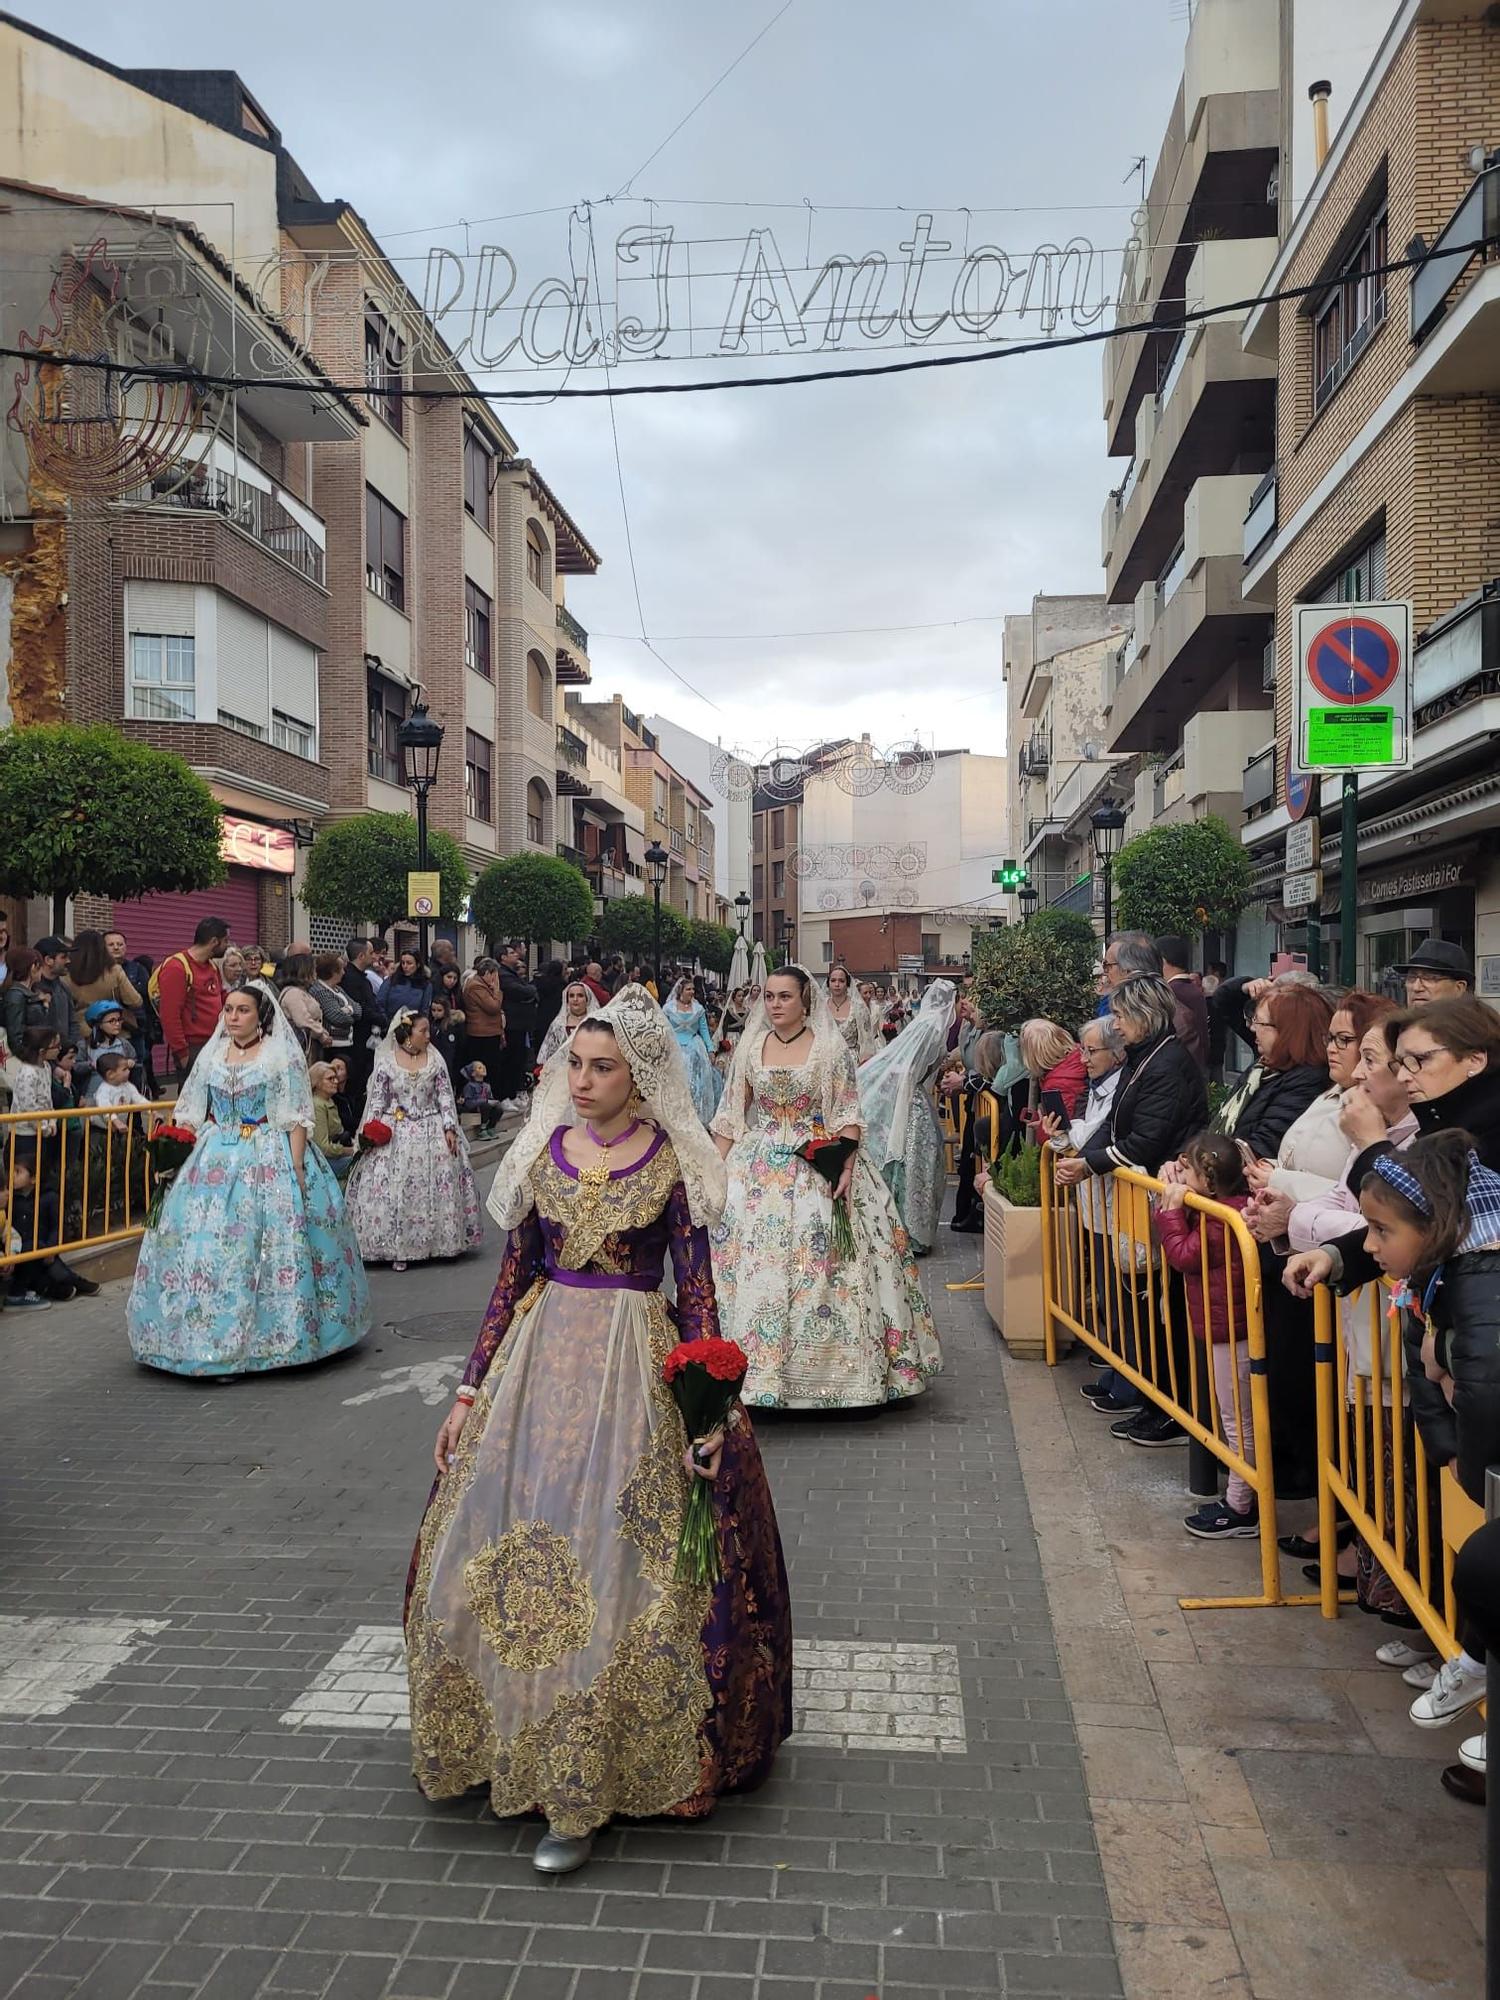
(936,500)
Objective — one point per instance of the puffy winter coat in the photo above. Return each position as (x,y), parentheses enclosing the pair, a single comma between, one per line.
(1182,1233)
(1466,1318)
(1161,1102)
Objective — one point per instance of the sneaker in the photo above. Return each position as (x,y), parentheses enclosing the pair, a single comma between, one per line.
(27,1302)
(1151,1429)
(1218,1522)
(1453,1693)
(1397,1653)
(1422,1674)
(1094,1392)
(1471,1752)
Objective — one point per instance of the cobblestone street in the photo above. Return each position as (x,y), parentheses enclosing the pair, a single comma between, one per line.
(202,1709)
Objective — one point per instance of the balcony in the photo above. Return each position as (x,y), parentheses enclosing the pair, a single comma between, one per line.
(1260,521)
(1258,784)
(572,765)
(1035,755)
(236,491)
(1455,298)
(1220,419)
(575,855)
(573,669)
(676,843)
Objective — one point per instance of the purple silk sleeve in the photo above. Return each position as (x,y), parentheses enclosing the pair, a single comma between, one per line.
(521,1265)
(697,1307)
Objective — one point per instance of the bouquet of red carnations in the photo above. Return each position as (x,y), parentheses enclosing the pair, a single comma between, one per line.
(168,1148)
(704,1377)
(374,1132)
(829,1157)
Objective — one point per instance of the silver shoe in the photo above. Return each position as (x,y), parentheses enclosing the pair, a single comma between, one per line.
(561,1853)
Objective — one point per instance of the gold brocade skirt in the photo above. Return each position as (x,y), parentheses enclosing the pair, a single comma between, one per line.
(550,1653)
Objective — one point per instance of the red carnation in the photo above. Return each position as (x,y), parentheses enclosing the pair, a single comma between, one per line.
(375,1132)
(175,1133)
(705,1376)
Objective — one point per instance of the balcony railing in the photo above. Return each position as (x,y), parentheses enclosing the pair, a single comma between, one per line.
(1268,667)
(572,749)
(1036,753)
(1174,370)
(1260,521)
(1080,897)
(1475,221)
(570,630)
(259,514)
(574,854)
(676,842)
(1171,577)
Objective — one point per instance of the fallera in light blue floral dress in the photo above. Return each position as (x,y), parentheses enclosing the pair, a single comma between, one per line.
(241,1273)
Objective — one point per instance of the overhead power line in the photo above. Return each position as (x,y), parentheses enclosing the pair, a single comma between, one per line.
(1056,343)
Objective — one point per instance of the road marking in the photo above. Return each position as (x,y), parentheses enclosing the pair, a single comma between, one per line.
(856,1694)
(47,1663)
(433,1381)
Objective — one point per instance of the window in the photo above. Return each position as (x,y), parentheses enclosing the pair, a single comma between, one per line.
(240,726)
(477,756)
(828,951)
(536,556)
(1350,311)
(385,549)
(758,884)
(385,360)
(163,678)
(478,460)
(385,706)
(778,828)
(536,807)
(538,686)
(1358,579)
(287,733)
(659,801)
(477,631)
(778,881)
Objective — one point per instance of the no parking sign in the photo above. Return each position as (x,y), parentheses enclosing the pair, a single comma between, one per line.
(1353,687)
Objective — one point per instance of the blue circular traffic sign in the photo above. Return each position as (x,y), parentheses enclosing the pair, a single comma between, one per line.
(1299,791)
(1353,660)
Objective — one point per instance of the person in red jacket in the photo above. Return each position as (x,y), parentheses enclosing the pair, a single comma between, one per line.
(1055,1060)
(190,995)
(1213,1275)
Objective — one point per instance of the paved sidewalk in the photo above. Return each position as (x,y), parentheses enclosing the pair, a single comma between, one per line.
(203,1768)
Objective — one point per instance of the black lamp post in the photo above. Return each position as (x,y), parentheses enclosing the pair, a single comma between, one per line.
(1027,898)
(788,938)
(742,906)
(656,860)
(421,744)
(1107,830)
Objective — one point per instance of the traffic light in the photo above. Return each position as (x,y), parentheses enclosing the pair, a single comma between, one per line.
(1011,875)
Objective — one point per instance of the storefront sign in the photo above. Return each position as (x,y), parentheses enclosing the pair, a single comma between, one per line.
(1415,881)
(1353,687)
(245,843)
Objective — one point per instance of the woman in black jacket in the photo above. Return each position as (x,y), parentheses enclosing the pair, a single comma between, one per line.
(1160,1102)
(1290,1028)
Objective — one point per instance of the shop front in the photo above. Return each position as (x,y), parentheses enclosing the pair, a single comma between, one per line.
(255,899)
(1402,904)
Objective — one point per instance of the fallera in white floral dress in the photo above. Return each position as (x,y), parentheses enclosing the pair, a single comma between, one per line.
(412,1200)
(819,1333)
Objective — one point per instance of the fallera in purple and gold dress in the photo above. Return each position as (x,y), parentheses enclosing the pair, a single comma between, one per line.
(551,1654)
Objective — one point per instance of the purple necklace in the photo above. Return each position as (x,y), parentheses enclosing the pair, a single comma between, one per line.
(618,1140)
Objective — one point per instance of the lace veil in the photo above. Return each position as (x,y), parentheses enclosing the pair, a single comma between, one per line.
(890,1080)
(661,1080)
(829,1053)
(279,1064)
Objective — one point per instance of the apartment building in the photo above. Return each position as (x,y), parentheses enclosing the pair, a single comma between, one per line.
(608,837)
(1192,411)
(1058,665)
(723,778)
(442,554)
(1388,436)
(894,878)
(775,837)
(173,584)
(675,813)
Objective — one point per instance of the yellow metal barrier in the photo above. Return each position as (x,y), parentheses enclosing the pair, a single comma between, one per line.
(71,1180)
(1372,1467)
(1105,1282)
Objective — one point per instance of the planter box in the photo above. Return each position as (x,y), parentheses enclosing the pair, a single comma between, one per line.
(1013,1275)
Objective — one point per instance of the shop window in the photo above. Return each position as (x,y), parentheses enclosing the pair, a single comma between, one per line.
(163,677)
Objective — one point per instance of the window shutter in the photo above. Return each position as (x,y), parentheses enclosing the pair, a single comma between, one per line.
(244,665)
(294,676)
(160,607)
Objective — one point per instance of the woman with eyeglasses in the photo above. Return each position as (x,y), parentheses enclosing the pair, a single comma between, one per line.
(1290,1026)
(1447,1059)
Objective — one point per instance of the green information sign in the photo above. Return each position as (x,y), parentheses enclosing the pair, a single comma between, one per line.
(1350,739)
